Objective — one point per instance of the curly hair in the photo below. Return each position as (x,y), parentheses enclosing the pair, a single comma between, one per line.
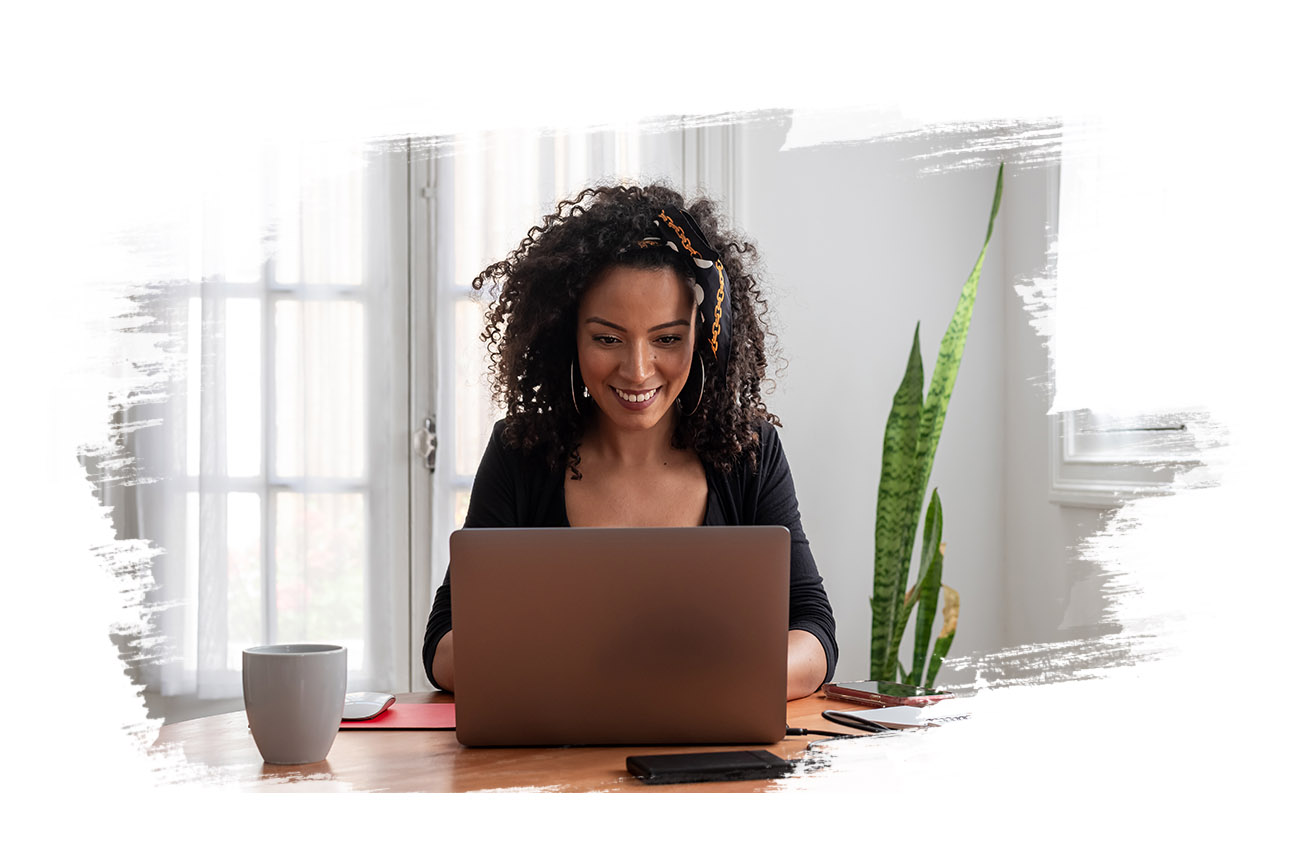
(532,322)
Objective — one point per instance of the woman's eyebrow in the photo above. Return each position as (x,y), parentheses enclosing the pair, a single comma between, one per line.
(667,325)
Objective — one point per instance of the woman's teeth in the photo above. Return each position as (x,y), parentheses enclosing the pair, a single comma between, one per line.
(636,398)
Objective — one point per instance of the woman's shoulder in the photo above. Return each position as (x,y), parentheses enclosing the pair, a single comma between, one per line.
(758,464)
(768,441)
(771,472)
(759,484)
(508,436)
(506,444)
(768,438)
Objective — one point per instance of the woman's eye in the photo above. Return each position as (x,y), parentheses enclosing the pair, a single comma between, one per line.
(670,340)
(606,340)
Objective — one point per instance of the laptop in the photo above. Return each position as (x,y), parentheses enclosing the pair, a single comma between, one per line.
(585,636)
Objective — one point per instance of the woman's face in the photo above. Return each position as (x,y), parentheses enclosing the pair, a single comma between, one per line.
(636,332)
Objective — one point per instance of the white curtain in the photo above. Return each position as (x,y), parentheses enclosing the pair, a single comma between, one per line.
(279,456)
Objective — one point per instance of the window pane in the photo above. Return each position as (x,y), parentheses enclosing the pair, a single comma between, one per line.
(320,552)
(234,221)
(505,181)
(320,215)
(244,608)
(243,386)
(1136,438)
(571,166)
(475,411)
(496,200)
(627,155)
(193,388)
(462,506)
(287,222)
(190,630)
(320,400)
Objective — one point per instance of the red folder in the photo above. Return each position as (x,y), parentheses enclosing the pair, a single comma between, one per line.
(410,715)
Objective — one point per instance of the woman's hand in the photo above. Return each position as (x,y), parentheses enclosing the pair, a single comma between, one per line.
(805,664)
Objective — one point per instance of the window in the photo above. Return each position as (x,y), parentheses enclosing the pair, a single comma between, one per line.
(1100,458)
(326,335)
(282,497)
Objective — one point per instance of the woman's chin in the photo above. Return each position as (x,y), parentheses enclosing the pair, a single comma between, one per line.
(641,416)
(638,422)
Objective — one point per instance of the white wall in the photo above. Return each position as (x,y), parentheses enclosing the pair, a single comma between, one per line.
(1049,593)
(860,245)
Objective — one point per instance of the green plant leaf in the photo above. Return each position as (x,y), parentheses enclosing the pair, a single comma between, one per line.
(904,479)
(913,593)
(928,586)
(951,350)
(935,408)
(909,603)
(892,527)
(951,609)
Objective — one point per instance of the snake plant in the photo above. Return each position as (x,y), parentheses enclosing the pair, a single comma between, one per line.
(911,438)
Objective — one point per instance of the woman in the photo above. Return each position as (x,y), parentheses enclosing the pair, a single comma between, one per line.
(627,339)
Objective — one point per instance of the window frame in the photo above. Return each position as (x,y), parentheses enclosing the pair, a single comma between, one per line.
(266,483)
(384,274)
(1094,461)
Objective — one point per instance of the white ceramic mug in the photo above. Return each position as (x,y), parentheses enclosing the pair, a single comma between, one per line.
(293,695)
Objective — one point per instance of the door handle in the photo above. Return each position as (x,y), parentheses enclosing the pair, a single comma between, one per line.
(425,443)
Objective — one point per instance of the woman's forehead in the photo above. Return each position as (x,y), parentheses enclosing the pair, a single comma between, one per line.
(636,293)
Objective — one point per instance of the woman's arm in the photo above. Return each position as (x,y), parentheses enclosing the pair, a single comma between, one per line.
(805,664)
(773,501)
(492,503)
(443,666)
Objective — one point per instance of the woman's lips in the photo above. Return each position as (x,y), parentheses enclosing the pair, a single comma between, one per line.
(636,401)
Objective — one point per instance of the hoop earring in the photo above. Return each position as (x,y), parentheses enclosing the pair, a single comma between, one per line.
(700,397)
(573,391)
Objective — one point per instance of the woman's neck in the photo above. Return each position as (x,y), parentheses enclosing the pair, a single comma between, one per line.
(626,448)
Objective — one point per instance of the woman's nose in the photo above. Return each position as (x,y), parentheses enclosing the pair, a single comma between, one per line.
(638,364)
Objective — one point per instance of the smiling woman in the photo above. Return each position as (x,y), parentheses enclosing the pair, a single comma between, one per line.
(635,340)
(635,362)
(627,337)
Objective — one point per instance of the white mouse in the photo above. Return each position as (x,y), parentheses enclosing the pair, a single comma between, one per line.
(363,706)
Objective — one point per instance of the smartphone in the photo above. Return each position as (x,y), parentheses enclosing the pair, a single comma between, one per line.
(689,768)
(879,694)
(846,718)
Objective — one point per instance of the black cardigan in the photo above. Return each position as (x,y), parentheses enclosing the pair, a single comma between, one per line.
(516,489)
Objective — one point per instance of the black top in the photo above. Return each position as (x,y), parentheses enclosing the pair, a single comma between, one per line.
(517,489)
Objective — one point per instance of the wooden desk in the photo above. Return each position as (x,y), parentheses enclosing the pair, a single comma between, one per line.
(219,750)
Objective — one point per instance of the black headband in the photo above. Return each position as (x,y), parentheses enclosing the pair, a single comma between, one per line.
(679,232)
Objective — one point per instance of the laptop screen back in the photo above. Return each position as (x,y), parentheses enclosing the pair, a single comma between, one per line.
(620,635)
